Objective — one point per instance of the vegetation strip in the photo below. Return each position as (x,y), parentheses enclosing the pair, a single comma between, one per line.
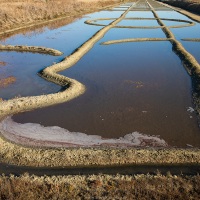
(105,187)
(43,22)
(62,157)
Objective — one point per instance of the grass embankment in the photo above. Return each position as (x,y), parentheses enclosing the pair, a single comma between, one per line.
(15,13)
(100,187)
(59,157)
(190,5)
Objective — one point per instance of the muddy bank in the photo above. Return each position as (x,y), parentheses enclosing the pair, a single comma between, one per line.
(190,5)
(58,157)
(36,135)
(30,49)
(100,187)
(191,14)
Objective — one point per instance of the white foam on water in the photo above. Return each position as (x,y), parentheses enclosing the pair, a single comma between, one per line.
(61,137)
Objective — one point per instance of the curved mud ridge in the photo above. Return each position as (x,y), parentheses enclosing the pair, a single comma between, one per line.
(192,39)
(32,49)
(59,157)
(134,40)
(187,23)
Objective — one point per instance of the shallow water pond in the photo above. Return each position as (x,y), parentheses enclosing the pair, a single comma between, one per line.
(138,86)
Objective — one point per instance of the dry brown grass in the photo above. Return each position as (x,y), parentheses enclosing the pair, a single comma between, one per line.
(100,187)
(18,12)
(59,157)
